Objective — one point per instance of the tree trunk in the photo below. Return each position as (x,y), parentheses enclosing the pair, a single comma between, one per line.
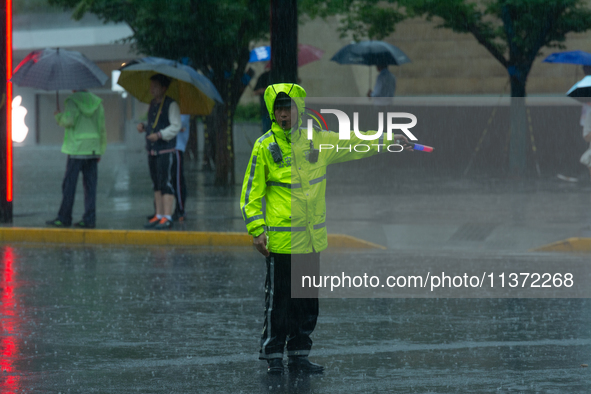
(230,88)
(192,144)
(208,142)
(222,153)
(230,131)
(518,140)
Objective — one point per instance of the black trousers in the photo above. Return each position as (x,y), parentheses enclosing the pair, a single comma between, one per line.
(288,321)
(89,170)
(178,178)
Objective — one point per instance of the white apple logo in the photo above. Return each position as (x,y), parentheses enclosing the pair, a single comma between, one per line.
(19,128)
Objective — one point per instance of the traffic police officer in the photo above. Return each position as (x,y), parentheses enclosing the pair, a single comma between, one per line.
(287,169)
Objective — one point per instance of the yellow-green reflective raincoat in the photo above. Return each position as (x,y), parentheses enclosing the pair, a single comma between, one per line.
(294,189)
(84,121)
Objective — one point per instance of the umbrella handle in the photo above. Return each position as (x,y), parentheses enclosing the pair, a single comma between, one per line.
(57,94)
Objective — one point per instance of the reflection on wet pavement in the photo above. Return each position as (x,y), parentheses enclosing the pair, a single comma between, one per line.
(180,320)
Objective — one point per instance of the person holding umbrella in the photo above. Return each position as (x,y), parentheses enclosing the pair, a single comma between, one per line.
(164,123)
(380,54)
(385,83)
(581,92)
(85,140)
(171,88)
(586,123)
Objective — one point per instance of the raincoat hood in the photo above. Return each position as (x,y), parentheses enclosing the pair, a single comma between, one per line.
(295,91)
(86,102)
(83,119)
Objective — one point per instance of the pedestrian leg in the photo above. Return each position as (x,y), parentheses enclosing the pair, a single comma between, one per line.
(180,186)
(303,312)
(277,300)
(183,184)
(90,179)
(69,190)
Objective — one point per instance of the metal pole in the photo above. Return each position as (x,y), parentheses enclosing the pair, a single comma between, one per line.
(284,41)
(5,113)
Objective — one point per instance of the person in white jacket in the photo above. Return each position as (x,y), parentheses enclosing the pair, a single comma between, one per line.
(164,123)
(586,123)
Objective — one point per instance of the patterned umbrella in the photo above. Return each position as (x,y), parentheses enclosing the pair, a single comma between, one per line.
(55,69)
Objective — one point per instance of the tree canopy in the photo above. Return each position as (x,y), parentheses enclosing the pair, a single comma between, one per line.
(513,31)
(214,35)
(373,19)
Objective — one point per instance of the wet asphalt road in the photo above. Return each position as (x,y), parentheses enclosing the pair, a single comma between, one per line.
(164,320)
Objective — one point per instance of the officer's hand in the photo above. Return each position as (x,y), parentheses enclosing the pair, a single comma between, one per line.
(260,243)
(152,137)
(402,140)
(140,127)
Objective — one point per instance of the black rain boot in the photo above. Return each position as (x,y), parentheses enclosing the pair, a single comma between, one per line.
(275,366)
(302,364)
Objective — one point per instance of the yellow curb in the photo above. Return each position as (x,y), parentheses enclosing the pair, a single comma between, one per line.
(568,245)
(140,237)
(346,241)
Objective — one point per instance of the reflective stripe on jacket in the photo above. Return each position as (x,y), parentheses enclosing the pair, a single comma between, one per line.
(294,189)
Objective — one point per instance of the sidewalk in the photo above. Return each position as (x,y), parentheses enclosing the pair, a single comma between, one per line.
(368,199)
(124,196)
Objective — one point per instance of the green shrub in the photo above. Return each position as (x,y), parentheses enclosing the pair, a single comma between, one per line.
(247,113)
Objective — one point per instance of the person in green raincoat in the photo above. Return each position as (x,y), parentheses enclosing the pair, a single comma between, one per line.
(287,170)
(85,140)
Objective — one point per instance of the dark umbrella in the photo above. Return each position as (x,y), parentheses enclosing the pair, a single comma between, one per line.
(55,69)
(370,53)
